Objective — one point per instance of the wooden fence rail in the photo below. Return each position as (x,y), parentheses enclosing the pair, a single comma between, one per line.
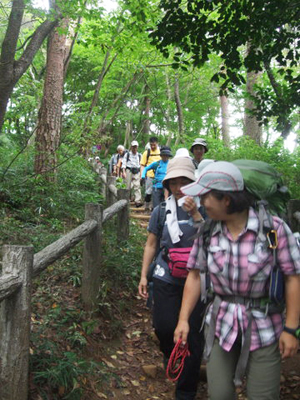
(20,265)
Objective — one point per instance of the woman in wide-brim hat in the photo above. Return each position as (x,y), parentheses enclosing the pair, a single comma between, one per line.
(172,227)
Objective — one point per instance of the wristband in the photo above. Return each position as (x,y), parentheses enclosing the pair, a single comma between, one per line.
(294,332)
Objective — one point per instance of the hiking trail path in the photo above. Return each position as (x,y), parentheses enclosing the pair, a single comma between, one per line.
(136,364)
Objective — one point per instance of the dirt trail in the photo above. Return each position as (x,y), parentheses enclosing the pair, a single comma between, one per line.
(136,364)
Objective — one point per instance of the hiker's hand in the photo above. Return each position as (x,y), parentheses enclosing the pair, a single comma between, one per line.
(190,206)
(143,292)
(181,332)
(288,345)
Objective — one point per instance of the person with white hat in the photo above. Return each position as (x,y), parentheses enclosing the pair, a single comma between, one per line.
(198,149)
(169,242)
(246,333)
(115,162)
(131,172)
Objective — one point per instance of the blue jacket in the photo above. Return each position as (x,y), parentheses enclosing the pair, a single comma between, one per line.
(160,168)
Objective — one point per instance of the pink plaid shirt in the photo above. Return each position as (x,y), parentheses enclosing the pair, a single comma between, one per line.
(242,268)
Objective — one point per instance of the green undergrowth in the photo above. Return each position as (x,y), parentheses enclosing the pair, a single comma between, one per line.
(66,341)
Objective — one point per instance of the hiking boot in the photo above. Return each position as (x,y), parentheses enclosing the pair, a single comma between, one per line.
(138,204)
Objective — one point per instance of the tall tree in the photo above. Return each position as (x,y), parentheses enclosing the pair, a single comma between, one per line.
(225,120)
(253,127)
(179,110)
(49,119)
(13,66)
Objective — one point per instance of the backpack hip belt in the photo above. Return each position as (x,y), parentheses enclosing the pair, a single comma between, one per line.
(261,303)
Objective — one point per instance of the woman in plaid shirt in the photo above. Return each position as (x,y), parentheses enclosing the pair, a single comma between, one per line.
(240,338)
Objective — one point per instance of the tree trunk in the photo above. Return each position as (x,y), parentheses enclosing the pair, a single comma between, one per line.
(252,127)
(11,70)
(146,120)
(128,133)
(179,111)
(168,111)
(225,120)
(49,118)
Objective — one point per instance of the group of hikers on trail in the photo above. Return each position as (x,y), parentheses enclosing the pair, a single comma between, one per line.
(149,169)
(224,273)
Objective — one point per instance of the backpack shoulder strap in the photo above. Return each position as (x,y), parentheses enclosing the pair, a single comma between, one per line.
(148,155)
(161,219)
(207,231)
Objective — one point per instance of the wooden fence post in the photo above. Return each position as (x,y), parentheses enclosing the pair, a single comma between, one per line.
(92,257)
(103,180)
(15,325)
(123,216)
(293,206)
(110,199)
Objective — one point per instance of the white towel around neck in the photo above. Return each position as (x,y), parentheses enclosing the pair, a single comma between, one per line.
(171,219)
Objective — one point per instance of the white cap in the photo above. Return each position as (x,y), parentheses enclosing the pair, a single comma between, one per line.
(134,143)
(182,152)
(202,164)
(219,175)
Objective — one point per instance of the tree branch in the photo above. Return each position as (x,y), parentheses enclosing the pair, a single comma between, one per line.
(35,43)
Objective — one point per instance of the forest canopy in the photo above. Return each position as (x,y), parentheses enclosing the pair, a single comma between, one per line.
(248,36)
(74,75)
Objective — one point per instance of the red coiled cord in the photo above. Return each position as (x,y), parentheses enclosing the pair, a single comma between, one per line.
(176,361)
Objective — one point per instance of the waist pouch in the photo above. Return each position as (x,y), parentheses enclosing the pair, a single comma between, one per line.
(134,170)
(277,286)
(177,258)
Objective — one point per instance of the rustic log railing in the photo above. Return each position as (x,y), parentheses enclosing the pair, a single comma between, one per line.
(20,265)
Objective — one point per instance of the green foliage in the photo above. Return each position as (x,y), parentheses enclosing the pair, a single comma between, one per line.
(269,30)
(63,376)
(120,183)
(34,210)
(273,153)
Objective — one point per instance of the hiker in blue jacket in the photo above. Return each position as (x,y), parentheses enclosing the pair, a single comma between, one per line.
(160,169)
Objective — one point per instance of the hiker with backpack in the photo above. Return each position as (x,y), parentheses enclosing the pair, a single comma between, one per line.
(131,172)
(160,170)
(198,149)
(115,163)
(238,250)
(149,156)
(169,242)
